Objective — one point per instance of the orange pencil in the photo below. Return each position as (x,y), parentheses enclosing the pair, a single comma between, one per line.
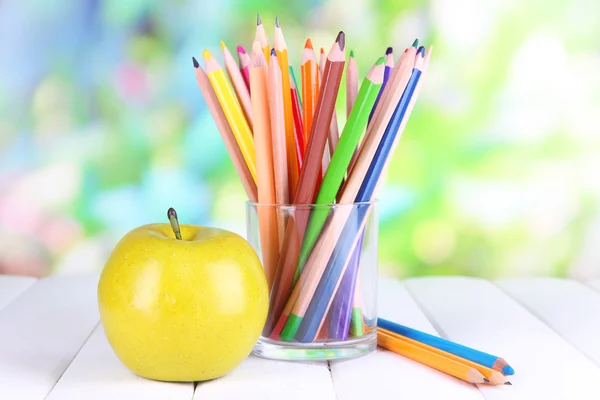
(310,86)
(351,83)
(264,165)
(290,140)
(423,356)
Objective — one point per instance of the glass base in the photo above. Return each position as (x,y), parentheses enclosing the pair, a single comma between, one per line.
(318,351)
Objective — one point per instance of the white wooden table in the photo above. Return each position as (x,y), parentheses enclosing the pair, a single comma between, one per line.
(53,347)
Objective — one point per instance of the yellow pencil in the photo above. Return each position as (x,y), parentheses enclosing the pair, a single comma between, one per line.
(233,111)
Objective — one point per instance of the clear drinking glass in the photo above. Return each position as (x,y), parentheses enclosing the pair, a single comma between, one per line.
(321,265)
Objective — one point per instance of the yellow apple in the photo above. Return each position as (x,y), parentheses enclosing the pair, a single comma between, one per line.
(188,309)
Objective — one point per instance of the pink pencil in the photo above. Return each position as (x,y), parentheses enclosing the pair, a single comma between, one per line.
(244,61)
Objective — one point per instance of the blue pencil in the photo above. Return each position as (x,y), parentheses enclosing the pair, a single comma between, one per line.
(336,266)
(468,353)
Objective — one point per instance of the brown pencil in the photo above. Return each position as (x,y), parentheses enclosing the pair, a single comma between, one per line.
(334,132)
(306,191)
(226,133)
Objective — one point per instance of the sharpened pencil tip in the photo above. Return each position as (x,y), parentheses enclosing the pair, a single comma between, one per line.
(206,54)
(508,383)
(196,63)
(277,21)
(308,44)
(380,61)
(240,49)
(508,370)
(341,40)
(421,51)
(351,53)
(486,380)
(322,50)
(273,53)
(415,43)
(222,45)
(258,20)
(389,51)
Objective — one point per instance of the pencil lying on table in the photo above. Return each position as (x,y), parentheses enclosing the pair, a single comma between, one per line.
(479,357)
(423,356)
(494,377)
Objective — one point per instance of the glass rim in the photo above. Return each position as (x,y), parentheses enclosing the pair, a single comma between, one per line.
(333,205)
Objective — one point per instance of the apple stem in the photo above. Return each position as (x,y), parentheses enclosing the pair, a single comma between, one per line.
(172,215)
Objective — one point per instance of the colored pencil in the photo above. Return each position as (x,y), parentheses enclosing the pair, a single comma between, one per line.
(290,138)
(244,61)
(341,158)
(435,361)
(233,111)
(261,36)
(351,83)
(334,133)
(267,216)
(342,306)
(306,191)
(298,127)
(310,87)
(389,65)
(476,356)
(356,320)
(318,260)
(241,91)
(494,377)
(278,140)
(225,131)
(333,178)
(326,154)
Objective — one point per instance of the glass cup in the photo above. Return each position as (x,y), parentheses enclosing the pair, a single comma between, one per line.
(321,266)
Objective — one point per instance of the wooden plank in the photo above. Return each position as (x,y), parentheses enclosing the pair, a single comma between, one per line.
(12,286)
(384,374)
(476,313)
(595,284)
(41,331)
(258,378)
(98,373)
(570,308)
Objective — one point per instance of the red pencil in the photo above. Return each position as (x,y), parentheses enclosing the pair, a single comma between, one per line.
(298,126)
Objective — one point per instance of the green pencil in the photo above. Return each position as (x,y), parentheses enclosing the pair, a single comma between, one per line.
(356,124)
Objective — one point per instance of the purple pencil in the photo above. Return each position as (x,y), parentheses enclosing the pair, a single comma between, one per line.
(343,302)
(389,65)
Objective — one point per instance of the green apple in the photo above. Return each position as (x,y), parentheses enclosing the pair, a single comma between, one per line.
(182,303)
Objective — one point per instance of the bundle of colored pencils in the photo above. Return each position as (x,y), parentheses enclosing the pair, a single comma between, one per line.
(462,362)
(286,146)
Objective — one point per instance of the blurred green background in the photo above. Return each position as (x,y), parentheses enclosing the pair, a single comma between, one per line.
(102,128)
